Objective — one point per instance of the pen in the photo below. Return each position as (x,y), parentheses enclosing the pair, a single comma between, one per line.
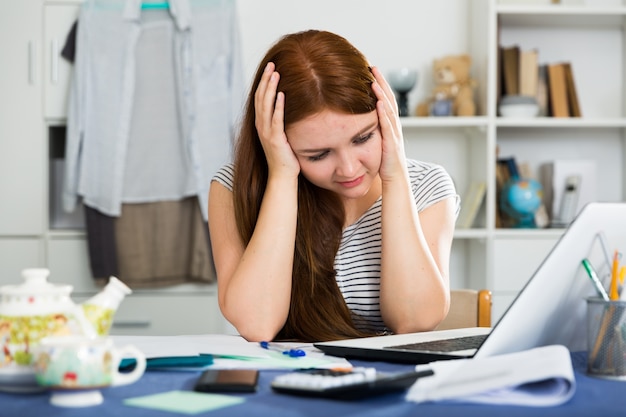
(594,278)
(285,350)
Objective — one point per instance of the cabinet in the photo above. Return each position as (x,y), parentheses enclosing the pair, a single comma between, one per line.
(34,81)
(21,131)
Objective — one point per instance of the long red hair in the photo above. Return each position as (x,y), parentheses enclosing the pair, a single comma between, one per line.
(318,70)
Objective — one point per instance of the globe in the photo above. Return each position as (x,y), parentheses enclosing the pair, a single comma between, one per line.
(520,199)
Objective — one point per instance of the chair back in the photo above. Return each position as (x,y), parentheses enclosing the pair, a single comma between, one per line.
(468,308)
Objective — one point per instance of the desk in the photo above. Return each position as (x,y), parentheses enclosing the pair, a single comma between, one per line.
(594,397)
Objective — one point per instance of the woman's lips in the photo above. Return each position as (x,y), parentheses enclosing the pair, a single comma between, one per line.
(352,183)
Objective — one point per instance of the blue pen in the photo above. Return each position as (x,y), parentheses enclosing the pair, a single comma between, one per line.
(276,347)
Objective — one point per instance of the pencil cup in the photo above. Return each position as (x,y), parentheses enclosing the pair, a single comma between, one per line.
(606,338)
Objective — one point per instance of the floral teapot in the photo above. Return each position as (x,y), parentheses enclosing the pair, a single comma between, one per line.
(36,309)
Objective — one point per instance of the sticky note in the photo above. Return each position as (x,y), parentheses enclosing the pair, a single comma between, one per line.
(187,402)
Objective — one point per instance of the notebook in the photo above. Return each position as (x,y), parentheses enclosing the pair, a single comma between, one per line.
(550,308)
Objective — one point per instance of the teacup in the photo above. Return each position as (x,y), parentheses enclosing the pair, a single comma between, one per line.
(75,368)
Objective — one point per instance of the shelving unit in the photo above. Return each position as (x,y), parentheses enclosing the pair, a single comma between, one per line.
(591,36)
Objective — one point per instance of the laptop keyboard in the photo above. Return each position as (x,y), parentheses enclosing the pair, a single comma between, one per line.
(445,345)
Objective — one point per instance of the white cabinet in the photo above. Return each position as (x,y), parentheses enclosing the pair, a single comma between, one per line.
(22,154)
(58,20)
(34,86)
(15,253)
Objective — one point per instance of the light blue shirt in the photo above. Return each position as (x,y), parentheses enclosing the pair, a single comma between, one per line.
(128,143)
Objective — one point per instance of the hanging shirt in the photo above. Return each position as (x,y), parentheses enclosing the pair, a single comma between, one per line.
(109,103)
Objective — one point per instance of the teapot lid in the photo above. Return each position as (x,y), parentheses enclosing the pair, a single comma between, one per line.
(36,284)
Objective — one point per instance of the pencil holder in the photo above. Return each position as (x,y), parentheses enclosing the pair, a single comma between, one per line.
(606,338)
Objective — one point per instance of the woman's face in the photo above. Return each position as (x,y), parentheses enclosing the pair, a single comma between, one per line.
(338,151)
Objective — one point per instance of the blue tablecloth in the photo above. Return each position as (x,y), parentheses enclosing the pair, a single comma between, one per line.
(594,397)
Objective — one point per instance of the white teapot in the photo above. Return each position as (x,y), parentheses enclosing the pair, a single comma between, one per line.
(36,309)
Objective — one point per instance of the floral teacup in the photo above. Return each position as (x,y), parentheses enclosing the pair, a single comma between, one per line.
(76,367)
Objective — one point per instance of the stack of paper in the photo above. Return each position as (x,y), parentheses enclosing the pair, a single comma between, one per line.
(537,377)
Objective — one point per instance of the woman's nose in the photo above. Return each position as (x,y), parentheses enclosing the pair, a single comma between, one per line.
(347,166)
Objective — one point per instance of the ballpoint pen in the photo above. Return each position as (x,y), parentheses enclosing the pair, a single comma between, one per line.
(285,350)
(596,281)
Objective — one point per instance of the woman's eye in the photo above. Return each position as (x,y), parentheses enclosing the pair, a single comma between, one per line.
(364,138)
(318,156)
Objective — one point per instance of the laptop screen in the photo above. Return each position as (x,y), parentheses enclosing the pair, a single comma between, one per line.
(551,308)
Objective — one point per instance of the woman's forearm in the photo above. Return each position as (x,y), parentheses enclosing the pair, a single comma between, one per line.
(257,296)
(414,277)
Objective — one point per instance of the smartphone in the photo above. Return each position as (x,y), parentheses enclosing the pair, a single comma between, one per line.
(227,380)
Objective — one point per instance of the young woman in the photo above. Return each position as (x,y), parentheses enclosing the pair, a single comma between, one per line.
(321,228)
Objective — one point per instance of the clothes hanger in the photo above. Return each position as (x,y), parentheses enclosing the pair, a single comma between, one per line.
(155,5)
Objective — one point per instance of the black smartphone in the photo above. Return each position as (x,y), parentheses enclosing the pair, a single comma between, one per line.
(227,380)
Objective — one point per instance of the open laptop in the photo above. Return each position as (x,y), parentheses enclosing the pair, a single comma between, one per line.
(550,309)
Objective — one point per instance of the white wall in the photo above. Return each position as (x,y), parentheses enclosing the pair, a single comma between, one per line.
(391,34)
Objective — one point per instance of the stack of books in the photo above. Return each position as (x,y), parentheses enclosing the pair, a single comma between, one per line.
(552,84)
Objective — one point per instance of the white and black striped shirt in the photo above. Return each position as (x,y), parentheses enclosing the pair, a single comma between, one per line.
(358,261)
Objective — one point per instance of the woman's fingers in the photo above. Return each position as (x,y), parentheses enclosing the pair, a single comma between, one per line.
(386,88)
(270,123)
(393,157)
(264,97)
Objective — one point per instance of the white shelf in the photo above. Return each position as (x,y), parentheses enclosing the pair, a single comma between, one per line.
(561,16)
(473,233)
(562,123)
(417,122)
(528,233)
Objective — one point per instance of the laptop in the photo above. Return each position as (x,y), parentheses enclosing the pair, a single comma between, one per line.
(550,308)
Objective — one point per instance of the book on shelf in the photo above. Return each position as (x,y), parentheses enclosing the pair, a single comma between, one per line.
(572,94)
(557,86)
(510,70)
(543,98)
(506,169)
(528,72)
(470,204)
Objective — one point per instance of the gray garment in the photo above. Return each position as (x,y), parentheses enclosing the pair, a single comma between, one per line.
(155,130)
(104,93)
(151,245)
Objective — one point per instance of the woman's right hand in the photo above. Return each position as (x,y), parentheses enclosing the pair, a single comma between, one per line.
(269,122)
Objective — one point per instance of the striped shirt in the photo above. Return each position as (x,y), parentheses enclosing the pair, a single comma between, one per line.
(358,261)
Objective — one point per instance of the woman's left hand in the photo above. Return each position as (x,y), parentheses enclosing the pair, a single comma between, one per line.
(393,161)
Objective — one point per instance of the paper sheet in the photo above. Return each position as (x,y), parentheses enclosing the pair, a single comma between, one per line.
(540,377)
(230,352)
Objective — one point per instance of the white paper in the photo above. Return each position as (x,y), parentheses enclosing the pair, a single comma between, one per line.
(166,346)
(229,351)
(537,377)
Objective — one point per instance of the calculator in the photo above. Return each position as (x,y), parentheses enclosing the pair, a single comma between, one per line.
(341,384)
